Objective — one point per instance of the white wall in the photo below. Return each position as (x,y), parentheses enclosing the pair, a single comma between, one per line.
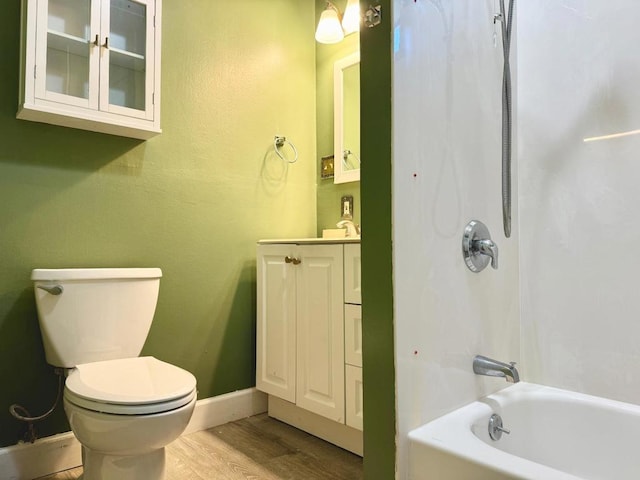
(579,76)
(447,157)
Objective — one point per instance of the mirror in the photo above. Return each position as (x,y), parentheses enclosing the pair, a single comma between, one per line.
(346,111)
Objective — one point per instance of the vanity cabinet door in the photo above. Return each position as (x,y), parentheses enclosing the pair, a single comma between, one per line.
(92,64)
(276,321)
(320,331)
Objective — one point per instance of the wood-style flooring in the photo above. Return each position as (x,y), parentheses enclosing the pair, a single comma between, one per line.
(255,448)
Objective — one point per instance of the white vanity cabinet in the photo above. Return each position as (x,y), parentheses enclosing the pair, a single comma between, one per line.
(92,64)
(301,354)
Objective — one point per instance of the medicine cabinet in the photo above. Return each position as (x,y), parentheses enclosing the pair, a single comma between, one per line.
(346,110)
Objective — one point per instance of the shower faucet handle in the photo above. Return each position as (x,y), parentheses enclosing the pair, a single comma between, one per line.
(487,247)
(477,247)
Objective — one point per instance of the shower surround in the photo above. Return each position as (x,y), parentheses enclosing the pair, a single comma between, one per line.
(562,302)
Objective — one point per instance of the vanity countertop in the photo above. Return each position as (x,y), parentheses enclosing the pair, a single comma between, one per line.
(309,241)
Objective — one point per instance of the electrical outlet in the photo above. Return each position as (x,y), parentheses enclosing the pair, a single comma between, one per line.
(346,207)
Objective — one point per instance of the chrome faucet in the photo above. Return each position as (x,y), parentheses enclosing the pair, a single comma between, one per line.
(493,368)
(477,247)
(353,230)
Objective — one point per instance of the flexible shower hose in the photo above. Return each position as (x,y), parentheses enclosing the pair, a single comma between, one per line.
(507,23)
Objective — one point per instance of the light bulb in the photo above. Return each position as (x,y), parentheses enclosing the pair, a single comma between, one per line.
(329,29)
(351,18)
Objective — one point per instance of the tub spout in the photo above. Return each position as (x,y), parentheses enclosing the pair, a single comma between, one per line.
(493,368)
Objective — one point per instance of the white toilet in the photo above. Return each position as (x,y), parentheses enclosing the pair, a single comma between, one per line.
(122,408)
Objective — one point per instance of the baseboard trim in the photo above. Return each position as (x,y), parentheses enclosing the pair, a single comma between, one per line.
(213,411)
(26,461)
(56,453)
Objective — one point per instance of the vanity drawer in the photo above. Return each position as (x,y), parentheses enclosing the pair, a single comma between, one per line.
(353,396)
(353,335)
(352,276)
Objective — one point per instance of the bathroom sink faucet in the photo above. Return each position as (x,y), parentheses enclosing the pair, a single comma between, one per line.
(493,368)
(353,230)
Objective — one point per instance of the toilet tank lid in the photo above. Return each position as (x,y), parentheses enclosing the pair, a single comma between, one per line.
(93,273)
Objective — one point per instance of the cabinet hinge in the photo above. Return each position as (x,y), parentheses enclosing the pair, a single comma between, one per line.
(35,71)
(153,98)
(154,21)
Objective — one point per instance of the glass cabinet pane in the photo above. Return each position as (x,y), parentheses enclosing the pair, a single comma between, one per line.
(127,57)
(71,17)
(68,45)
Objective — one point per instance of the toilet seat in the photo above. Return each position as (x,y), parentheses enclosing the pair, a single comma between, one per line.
(130,386)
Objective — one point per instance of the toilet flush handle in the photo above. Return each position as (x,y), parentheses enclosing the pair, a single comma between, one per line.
(53,289)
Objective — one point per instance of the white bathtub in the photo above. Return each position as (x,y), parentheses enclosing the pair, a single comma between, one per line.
(555,435)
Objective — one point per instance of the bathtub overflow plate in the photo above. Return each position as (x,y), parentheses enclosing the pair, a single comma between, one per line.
(495,427)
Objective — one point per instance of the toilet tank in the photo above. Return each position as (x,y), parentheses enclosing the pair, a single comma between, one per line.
(101,313)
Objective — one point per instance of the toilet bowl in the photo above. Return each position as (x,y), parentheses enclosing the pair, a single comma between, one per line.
(123,409)
(124,412)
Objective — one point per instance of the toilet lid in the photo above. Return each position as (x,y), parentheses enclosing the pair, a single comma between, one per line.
(131,382)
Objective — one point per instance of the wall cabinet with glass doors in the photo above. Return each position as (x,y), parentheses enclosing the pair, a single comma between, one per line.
(92,64)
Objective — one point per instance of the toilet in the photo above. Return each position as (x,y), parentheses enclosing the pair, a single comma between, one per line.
(122,408)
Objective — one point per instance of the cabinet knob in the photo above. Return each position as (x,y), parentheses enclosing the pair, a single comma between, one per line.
(294,260)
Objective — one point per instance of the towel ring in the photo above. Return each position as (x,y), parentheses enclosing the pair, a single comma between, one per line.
(345,157)
(278,143)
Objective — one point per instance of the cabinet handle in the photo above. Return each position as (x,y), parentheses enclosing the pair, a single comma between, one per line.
(106,42)
(294,260)
(96,42)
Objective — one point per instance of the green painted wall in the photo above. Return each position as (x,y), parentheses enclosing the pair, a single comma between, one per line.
(329,194)
(377,268)
(192,201)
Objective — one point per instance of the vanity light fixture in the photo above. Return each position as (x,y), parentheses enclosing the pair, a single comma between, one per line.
(333,27)
(329,29)
(351,18)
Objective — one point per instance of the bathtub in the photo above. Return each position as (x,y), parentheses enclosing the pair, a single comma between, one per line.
(555,435)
